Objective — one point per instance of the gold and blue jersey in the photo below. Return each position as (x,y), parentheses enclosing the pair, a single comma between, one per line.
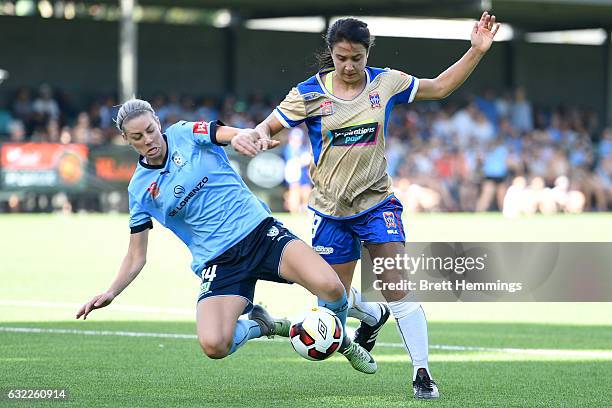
(349,168)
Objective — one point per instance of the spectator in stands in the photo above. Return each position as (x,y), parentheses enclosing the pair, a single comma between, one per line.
(108,111)
(602,182)
(297,158)
(521,114)
(495,172)
(22,107)
(488,106)
(605,146)
(45,104)
(417,146)
(81,133)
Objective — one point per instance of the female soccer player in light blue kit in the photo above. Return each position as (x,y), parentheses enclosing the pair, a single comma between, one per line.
(346,107)
(184,180)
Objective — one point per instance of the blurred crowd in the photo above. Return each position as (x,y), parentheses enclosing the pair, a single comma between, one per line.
(48,115)
(500,152)
(488,152)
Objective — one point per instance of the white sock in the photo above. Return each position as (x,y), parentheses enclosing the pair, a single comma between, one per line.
(412,327)
(367,312)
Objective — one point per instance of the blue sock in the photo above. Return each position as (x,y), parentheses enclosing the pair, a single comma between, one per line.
(245,331)
(339,307)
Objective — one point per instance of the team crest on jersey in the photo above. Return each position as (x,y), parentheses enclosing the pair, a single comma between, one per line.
(178,159)
(200,127)
(389,219)
(327,108)
(374,99)
(272,232)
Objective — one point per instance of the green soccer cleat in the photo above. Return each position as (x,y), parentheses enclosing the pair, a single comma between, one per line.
(269,326)
(360,358)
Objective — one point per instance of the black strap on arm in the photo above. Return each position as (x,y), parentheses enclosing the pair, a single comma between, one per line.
(139,228)
(213,132)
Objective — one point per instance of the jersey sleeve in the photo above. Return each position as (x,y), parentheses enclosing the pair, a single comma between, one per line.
(202,133)
(292,110)
(140,220)
(405,86)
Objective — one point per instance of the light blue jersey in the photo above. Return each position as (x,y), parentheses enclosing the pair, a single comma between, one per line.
(195,193)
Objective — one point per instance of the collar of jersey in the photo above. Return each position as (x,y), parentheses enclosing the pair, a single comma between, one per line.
(334,97)
(156,166)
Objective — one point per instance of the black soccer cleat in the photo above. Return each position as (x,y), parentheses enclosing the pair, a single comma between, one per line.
(424,387)
(366,335)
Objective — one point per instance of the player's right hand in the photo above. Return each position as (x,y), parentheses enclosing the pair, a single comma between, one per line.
(264,141)
(100,301)
(267,143)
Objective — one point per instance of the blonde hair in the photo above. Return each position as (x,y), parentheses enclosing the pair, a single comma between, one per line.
(131,109)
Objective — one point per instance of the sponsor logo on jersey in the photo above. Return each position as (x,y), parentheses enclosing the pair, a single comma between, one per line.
(204,288)
(153,190)
(178,159)
(200,127)
(374,99)
(310,96)
(327,108)
(321,250)
(189,196)
(389,219)
(272,232)
(358,135)
(179,191)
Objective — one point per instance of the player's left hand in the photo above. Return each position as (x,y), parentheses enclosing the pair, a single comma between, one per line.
(246,142)
(483,32)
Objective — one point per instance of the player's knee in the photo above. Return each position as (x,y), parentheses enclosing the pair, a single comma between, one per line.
(215,347)
(332,288)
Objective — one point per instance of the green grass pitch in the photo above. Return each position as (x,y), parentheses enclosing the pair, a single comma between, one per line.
(142,352)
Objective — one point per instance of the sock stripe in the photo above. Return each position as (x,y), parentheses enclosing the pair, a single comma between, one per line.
(247,334)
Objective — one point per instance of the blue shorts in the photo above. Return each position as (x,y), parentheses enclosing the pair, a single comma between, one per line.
(339,240)
(257,256)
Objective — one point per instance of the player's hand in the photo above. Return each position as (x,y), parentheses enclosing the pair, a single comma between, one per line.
(246,142)
(483,32)
(97,302)
(264,140)
(267,143)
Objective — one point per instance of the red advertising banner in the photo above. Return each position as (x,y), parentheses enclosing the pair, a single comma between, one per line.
(43,165)
(112,166)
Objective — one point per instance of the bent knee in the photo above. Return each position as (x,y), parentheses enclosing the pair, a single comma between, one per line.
(333,288)
(216,348)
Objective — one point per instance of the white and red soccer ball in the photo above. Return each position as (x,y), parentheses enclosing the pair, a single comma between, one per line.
(316,335)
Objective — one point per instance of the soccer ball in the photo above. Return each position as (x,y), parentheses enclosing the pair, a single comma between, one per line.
(317,335)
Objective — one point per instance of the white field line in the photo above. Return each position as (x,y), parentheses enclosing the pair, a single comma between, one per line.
(119,308)
(603,354)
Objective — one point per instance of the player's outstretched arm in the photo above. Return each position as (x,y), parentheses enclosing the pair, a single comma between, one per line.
(449,80)
(131,266)
(249,142)
(268,129)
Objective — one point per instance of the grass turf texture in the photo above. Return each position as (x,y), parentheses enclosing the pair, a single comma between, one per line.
(60,262)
